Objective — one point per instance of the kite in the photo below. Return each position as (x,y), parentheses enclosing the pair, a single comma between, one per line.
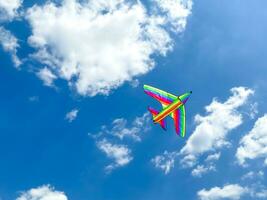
(172,105)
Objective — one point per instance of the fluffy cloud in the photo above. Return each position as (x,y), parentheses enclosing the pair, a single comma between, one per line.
(98,45)
(8,8)
(177,12)
(164,162)
(10,44)
(254,144)
(42,193)
(233,192)
(211,130)
(209,134)
(120,154)
(70,116)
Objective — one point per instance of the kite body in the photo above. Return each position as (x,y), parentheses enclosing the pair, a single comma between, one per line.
(172,105)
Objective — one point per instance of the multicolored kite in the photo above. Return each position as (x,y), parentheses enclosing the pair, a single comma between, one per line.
(172,105)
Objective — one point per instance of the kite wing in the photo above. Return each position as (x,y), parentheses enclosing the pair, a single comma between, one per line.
(163,97)
(154,113)
(179,120)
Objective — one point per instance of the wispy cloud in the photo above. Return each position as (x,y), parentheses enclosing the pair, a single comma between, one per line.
(10,44)
(34,98)
(47,76)
(253,175)
(120,154)
(253,110)
(201,169)
(121,129)
(110,139)
(70,116)
(213,157)
(207,166)
(164,162)
(261,194)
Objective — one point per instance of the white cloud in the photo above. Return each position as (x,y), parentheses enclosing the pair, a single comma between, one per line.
(120,154)
(253,110)
(98,45)
(177,12)
(248,175)
(201,169)
(45,192)
(213,157)
(164,162)
(46,76)
(10,44)
(121,130)
(254,144)
(34,98)
(188,160)
(211,130)
(70,116)
(262,194)
(233,192)
(134,83)
(252,175)
(8,8)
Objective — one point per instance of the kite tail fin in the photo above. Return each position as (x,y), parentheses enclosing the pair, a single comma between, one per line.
(154,113)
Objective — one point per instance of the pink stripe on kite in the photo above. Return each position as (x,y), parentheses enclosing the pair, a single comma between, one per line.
(160,98)
(178,131)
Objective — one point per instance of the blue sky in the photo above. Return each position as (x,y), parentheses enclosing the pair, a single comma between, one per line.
(222,46)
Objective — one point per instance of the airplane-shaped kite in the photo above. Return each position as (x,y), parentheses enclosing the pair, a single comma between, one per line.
(172,105)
